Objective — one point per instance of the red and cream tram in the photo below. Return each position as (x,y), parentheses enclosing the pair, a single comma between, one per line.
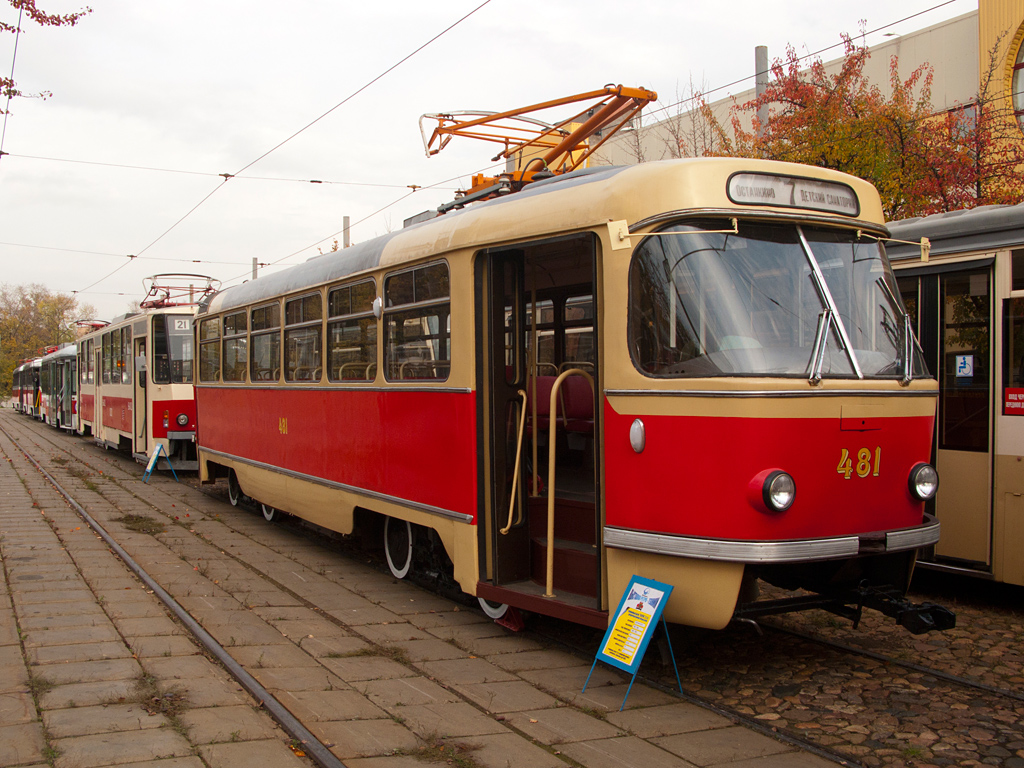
(22,389)
(135,374)
(696,371)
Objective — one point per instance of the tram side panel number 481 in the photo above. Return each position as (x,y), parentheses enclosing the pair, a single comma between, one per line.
(866,463)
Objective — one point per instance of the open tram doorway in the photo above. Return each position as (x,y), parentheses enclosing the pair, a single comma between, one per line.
(537,305)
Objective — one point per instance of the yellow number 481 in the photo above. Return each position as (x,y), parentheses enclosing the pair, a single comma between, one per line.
(867,464)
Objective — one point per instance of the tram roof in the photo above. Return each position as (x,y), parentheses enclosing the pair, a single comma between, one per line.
(68,350)
(562,204)
(989,227)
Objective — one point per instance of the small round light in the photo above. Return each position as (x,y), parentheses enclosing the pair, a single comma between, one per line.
(923,481)
(637,436)
(182,419)
(779,490)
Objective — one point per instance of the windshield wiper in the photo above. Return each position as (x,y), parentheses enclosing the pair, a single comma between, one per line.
(908,336)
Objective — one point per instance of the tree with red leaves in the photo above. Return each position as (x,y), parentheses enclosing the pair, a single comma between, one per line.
(920,162)
(8,88)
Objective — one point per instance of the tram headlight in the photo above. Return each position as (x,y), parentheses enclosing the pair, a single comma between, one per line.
(923,481)
(778,491)
(182,419)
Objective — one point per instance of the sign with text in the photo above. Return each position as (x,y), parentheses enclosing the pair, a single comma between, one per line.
(1013,402)
(792,192)
(630,631)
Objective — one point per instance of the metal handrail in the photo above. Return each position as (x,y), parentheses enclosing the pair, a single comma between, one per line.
(550,577)
(515,474)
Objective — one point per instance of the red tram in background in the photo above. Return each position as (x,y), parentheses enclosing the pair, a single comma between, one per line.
(25,386)
(696,371)
(135,374)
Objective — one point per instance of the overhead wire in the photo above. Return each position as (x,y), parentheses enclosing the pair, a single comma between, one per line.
(228,177)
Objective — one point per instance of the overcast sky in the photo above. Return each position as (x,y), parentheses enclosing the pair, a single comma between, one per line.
(153,99)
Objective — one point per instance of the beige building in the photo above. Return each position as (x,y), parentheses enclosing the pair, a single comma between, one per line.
(962,52)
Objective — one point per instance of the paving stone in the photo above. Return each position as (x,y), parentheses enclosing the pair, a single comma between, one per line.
(82,652)
(449,617)
(465,671)
(178,667)
(362,615)
(398,632)
(89,671)
(83,721)
(531,660)
(269,753)
(122,747)
(263,656)
(430,650)
(364,738)
(164,645)
(357,668)
(570,680)
(13,678)
(402,692)
(507,750)
(668,720)
(622,751)
(205,691)
(323,706)
(722,745)
(501,698)
(613,697)
(560,725)
(147,626)
(333,646)
(231,723)
(443,720)
(88,694)
(21,744)
(298,679)
(16,707)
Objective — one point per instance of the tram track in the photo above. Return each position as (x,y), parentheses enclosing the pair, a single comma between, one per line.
(732,676)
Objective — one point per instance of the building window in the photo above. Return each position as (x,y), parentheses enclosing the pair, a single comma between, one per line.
(303,331)
(1017,86)
(417,320)
(352,332)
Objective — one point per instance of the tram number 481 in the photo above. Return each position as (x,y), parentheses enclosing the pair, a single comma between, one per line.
(866,464)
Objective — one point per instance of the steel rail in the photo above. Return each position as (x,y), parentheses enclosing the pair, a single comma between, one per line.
(312,746)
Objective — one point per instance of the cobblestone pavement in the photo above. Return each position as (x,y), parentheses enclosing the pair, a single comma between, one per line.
(95,672)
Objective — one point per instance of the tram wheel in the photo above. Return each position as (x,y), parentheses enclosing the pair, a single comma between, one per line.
(234,489)
(398,546)
(269,513)
(493,610)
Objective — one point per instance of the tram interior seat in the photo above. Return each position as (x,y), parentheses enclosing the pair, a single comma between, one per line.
(575,405)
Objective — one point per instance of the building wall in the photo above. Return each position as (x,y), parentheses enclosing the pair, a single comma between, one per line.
(956,49)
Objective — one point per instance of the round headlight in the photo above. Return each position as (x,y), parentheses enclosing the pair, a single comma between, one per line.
(778,492)
(923,481)
(182,419)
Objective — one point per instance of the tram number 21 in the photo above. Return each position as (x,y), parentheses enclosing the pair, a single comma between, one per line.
(867,463)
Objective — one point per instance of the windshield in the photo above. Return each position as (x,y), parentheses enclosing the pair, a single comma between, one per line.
(172,349)
(774,299)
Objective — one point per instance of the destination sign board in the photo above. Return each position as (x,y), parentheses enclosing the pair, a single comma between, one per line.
(792,192)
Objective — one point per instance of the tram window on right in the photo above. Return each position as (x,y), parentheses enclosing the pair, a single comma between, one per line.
(1013,357)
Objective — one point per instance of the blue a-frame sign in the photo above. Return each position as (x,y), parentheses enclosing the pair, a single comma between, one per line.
(632,627)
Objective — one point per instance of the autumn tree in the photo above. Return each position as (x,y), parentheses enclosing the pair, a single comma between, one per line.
(919,161)
(8,88)
(32,318)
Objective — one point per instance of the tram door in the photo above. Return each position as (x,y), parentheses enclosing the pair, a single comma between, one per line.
(953,307)
(550,284)
(139,409)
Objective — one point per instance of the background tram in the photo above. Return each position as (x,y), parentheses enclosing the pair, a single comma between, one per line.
(967,304)
(696,371)
(22,387)
(135,375)
(58,384)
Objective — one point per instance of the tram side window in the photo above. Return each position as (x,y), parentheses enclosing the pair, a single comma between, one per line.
(209,349)
(105,355)
(352,332)
(1017,267)
(578,317)
(547,357)
(124,359)
(1013,357)
(303,332)
(265,352)
(418,324)
(234,347)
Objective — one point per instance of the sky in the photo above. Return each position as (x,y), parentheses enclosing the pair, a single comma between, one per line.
(152,101)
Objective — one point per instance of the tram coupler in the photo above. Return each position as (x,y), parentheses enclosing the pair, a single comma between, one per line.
(917,618)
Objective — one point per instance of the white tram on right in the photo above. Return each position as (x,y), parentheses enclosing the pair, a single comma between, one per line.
(967,305)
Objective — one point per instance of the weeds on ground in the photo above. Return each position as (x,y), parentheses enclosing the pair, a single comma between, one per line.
(141,524)
(436,750)
(393,652)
